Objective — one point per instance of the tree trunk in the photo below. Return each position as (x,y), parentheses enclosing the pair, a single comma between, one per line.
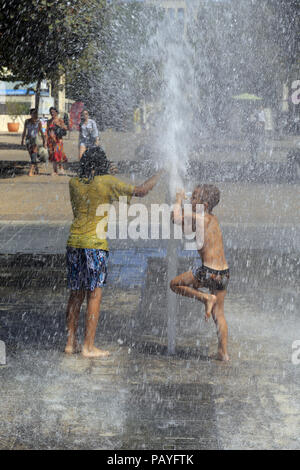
(37,94)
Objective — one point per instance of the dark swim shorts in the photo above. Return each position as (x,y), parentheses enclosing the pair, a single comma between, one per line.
(87,268)
(211,278)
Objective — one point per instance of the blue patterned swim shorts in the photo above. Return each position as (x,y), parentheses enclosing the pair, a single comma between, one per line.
(87,268)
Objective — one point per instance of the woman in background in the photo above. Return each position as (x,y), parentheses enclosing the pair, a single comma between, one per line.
(56,129)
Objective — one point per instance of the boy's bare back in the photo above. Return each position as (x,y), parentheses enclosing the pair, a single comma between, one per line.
(212,252)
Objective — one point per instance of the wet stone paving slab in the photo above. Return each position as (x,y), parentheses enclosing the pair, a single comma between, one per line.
(140,397)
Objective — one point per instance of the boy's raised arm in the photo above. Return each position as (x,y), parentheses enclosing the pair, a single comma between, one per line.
(187,219)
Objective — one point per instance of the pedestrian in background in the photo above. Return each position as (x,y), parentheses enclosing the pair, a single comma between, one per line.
(88,133)
(32,128)
(56,130)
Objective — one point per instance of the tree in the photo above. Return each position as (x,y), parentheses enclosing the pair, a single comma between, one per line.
(238,46)
(40,38)
(115,73)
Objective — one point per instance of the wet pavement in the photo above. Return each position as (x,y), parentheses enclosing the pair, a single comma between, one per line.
(140,397)
(125,146)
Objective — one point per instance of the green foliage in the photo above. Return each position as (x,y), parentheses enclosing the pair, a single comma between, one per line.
(115,73)
(15,109)
(104,50)
(39,38)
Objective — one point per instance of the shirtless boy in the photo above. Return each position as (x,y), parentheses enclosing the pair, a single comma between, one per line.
(213,274)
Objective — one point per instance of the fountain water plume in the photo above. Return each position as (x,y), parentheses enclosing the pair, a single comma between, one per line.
(174,131)
(174,123)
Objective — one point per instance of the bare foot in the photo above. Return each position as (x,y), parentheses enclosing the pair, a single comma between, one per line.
(72,348)
(94,352)
(220,356)
(209,305)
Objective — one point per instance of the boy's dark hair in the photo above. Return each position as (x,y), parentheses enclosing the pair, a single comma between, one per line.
(54,109)
(93,163)
(209,194)
(33,110)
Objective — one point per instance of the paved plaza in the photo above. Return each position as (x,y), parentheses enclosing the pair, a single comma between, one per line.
(141,397)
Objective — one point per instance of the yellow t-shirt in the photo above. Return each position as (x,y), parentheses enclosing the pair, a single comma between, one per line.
(86,200)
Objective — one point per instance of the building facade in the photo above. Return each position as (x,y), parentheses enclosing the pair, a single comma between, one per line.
(24,98)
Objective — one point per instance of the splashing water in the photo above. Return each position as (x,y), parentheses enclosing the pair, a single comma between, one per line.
(174,123)
(174,135)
